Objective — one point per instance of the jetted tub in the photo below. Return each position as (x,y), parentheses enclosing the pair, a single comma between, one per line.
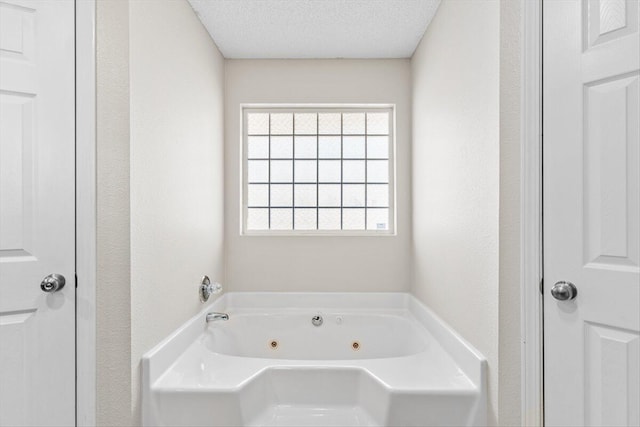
(376,360)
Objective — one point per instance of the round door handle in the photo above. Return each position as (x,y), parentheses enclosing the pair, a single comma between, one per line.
(53,283)
(564,291)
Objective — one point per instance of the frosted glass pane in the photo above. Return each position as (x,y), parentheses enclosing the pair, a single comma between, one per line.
(306,147)
(305,195)
(257,219)
(378,123)
(353,171)
(305,219)
(329,195)
(330,147)
(258,170)
(329,219)
(281,147)
(353,123)
(258,147)
(353,219)
(353,195)
(258,195)
(306,124)
(353,147)
(258,124)
(378,171)
(282,124)
(378,195)
(329,123)
(281,171)
(378,147)
(281,219)
(306,171)
(329,171)
(281,195)
(377,219)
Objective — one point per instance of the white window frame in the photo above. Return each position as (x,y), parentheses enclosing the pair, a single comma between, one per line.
(317,108)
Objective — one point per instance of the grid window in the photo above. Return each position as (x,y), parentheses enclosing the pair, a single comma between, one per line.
(318,170)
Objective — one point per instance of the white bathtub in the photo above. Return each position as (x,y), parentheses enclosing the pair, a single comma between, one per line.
(376,360)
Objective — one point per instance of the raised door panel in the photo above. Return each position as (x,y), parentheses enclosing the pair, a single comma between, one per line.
(19,339)
(16,174)
(611,163)
(612,381)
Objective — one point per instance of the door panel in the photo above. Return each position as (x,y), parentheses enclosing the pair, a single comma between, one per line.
(37,212)
(591,128)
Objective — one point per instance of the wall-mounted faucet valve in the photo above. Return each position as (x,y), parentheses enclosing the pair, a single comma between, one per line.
(207,289)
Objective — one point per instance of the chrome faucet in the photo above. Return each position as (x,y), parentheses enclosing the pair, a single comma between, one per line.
(214,317)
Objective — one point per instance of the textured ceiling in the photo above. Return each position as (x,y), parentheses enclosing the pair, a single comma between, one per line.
(316,28)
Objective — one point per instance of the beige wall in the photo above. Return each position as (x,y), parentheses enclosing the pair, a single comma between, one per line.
(456,173)
(317,263)
(160,191)
(177,193)
(113,311)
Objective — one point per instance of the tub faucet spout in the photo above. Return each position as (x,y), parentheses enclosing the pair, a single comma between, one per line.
(214,317)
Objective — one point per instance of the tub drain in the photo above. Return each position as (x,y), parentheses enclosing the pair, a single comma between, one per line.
(355,345)
(273,344)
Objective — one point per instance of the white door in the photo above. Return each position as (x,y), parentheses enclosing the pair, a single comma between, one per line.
(591,136)
(37,219)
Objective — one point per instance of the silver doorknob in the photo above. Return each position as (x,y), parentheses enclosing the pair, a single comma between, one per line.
(564,291)
(53,283)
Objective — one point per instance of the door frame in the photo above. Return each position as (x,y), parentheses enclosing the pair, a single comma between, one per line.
(531,272)
(85,27)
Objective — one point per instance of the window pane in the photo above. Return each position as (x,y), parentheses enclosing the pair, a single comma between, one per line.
(377,219)
(258,170)
(306,124)
(353,171)
(258,147)
(281,171)
(329,219)
(378,147)
(305,147)
(378,171)
(378,195)
(311,170)
(258,195)
(306,171)
(329,123)
(353,195)
(353,147)
(305,195)
(282,124)
(281,195)
(281,219)
(378,123)
(305,219)
(281,147)
(330,147)
(329,195)
(257,219)
(353,219)
(329,171)
(258,124)
(353,123)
